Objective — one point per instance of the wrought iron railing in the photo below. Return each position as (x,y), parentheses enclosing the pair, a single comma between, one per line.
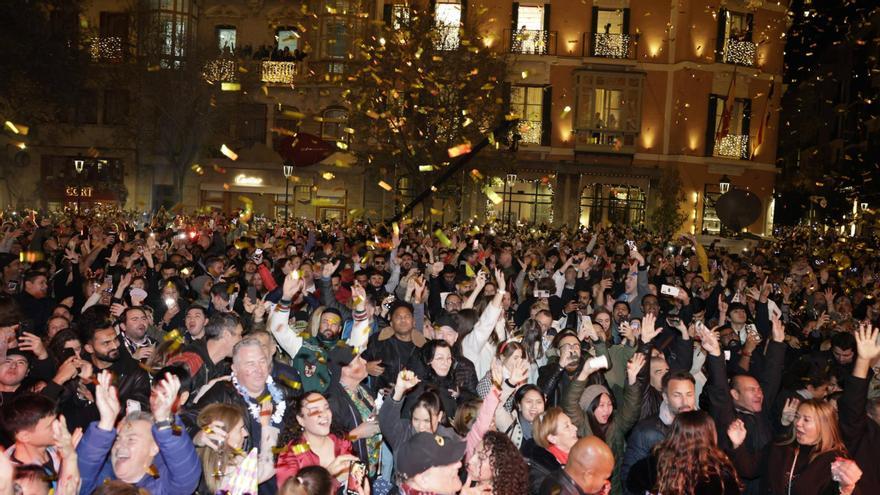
(739,52)
(612,45)
(531,41)
(732,146)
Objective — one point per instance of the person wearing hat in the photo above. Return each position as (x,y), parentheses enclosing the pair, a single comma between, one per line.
(354,407)
(591,408)
(428,464)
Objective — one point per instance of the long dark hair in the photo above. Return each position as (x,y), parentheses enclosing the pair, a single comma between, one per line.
(690,455)
(596,427)
(510,473)
(292,431)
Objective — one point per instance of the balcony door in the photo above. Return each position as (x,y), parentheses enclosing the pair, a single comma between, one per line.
(610,36)
(530,28)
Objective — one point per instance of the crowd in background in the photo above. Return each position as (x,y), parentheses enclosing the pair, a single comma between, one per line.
(173,354)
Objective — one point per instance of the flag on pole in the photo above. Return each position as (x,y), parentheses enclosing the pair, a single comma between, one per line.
(729,103)
(765,119)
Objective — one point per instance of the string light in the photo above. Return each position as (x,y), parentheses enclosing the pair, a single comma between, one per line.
(106,49)
(732,146)
(611,45)
(221,70)
(278,72)
(739,52)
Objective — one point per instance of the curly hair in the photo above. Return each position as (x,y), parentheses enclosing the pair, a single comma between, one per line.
(291,430)
(510,473)
(690,455)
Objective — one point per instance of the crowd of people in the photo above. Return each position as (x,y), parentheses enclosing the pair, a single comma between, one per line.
(209,354)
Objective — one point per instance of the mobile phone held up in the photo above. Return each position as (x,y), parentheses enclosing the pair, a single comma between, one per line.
(669,290)
(357,476)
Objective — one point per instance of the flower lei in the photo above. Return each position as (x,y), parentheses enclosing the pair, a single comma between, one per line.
(254,407)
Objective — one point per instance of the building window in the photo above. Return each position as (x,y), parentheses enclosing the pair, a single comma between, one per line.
(111,46)
(529,34)
(610,37)
(87,107)
(617,204)
(735,44)
(333,124)
(175,25)
(397,15)
(115,106)
(729,136)
(251,124)
(226,36)
(528,103)
(525,201)
(335,38)
(608,110)
(711,224)
(287,40)
(447,17)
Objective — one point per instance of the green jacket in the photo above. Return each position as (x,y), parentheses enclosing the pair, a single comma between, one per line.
(311,363)
(624,418)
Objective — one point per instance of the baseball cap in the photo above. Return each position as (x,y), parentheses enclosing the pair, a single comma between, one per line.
(426,450)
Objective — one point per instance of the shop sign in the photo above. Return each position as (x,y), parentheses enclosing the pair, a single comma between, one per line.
(78,192)
(248,181)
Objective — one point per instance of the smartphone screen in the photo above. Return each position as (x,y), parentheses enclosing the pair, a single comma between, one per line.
(357,472)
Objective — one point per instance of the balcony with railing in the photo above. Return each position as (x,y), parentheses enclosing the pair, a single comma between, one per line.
(739,52)
(531,41)
(221,70)
(612,45)
(605,141)
(107,49)
(733,146)
(529,131)
(280,72)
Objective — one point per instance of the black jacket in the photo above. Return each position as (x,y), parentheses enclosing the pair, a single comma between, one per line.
(541,464)
(646,434)
(560,483)
(776,462)
(643,479)
(760,426)
(346,417)
(860,433)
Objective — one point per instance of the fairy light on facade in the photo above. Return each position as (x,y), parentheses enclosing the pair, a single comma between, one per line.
(106,49)
(732,146)
(530,131)
(221,70)
(530,42)
(611,45)
(739,52)
(278,72)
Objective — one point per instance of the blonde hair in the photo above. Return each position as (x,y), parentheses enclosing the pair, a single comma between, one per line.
(830,439)
(229,416)
(545,425)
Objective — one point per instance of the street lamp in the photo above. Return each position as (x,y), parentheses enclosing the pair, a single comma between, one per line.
(724,184)
(287,170)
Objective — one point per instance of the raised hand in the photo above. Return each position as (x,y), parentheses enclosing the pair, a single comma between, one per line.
(211,436)
(499,280)
(789,411)
(329,269)
(709,341)
(164,397)
(520,373)
(293,284)
(866,342)
(359,296)
(406,380)
(634,366)
(649,330)
(106,401)
(778,330)
(737,432)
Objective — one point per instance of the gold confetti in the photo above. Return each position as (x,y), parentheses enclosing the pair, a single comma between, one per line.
(228,152)
(492,195)
(371,114)
(385,185)
(426,168)
(435,211)
(461,149)
(442,238)
(476,174)
(230,86)
(328,176)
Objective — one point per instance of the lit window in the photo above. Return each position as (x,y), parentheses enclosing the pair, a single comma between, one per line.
(527,103)
(226,39)
(731,138)
(287,38)
(610,34)
(333,123)
(447,17)
(530,37)
(735,38)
